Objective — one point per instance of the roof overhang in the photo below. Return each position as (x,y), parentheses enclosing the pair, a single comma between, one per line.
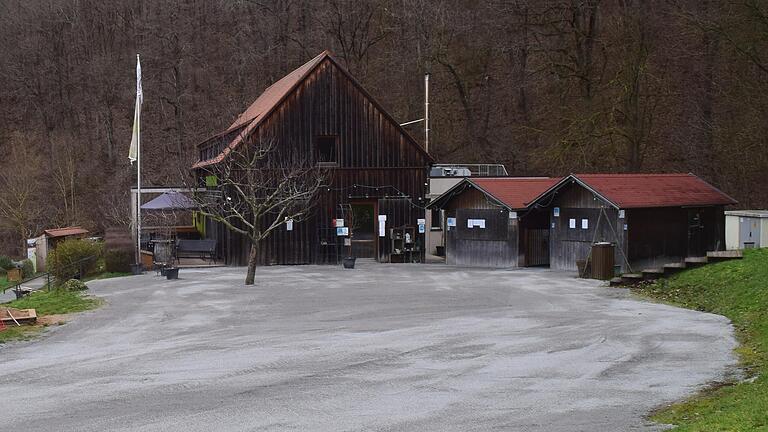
(441,201)
(567,180)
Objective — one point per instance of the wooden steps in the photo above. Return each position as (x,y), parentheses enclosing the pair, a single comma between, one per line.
(718,256)
(667,270)
(653,273)
(696,261)
(672,268)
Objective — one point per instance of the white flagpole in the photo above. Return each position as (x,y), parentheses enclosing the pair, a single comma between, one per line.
(138,177)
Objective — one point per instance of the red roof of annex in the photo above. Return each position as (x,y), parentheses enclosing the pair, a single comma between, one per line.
(654,190)
(622,190)
(515,192)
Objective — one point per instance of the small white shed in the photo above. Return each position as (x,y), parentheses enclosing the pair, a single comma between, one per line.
(745,229)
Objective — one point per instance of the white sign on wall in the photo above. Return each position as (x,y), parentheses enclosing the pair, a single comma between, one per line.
(342,231)
(572,223)
(451,222)
(513,215)
(556,211)
(339,222)
(479,223)
(585,224)
(288,224)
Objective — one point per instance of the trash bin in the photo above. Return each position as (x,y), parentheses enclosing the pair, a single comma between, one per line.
(603,261)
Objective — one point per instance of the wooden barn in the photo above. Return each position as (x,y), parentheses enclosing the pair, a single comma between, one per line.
(652,219)
(489,223)
(375,169)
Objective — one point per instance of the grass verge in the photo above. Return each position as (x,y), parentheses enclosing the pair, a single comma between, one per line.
(53,302)
(25,332)
(737,289)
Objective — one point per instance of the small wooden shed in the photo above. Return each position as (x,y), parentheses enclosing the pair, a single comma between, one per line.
(652,219)
(50,238)
(489,224)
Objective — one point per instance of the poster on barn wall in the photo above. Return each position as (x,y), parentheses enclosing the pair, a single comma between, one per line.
(479,223)
(382,225)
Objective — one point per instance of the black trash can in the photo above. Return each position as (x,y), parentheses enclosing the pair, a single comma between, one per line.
(172,273)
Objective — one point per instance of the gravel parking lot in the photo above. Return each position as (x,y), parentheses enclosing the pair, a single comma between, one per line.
(382,347)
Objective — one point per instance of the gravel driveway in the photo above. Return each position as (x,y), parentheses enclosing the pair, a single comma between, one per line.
(382,347)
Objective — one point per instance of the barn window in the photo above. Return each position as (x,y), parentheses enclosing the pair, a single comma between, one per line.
(437,220)
(326,150)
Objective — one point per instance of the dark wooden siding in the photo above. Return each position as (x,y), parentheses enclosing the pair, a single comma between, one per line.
(567,245)
(648,237)
(493,246)
(663,235)
(375,161)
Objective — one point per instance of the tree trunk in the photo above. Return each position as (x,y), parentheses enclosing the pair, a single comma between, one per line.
(252,257)
(23,232)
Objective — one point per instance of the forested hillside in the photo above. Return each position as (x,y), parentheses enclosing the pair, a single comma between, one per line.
(545,87)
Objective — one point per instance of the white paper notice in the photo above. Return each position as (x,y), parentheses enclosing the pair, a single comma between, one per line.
(585,224)
(289,224)
(479,223)
(572,223)
(451,222)
(382,226)
(339,223)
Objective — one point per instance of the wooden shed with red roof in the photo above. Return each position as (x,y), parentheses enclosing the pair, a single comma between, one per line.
(375,169)
(652,219)
(489,222)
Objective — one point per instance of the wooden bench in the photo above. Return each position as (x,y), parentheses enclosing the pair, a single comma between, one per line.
(203,249)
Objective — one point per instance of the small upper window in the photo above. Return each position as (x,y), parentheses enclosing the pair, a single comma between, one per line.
(326,150)
(437,219)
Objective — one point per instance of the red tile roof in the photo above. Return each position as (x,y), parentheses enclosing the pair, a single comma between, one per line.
(263,105)
(65,232)
(654,190)
(515,192)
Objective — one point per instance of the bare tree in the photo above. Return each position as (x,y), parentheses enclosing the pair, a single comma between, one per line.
(259,189)
(19,195)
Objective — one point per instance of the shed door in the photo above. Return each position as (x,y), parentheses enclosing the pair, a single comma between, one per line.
(749,232)
(364,238)
(696,241)
(537,247)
